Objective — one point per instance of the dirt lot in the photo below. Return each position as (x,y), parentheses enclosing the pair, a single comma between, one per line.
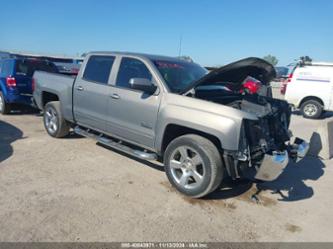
(74,190)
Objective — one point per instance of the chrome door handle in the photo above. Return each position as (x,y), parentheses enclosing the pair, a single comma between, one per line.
(115,96)
(80,88)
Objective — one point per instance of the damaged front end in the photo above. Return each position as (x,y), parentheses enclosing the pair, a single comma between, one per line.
(265,143)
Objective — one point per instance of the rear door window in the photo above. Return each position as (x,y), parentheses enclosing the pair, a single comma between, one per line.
(98,69)
(28,67)
(6,68)
(131,68)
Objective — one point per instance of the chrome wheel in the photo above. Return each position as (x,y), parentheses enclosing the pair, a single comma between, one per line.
(1,103)
(187,167)
(51,120)
(310,110)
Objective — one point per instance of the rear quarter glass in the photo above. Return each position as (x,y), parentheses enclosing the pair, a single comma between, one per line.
(7,68)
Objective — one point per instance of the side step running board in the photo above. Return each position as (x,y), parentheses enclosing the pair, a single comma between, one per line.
(116,145)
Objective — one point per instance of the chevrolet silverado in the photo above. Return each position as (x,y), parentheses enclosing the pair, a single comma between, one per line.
(201,125)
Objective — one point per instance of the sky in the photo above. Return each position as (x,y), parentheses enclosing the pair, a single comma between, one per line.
(213,32)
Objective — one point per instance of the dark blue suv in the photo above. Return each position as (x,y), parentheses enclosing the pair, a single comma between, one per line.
(16,83)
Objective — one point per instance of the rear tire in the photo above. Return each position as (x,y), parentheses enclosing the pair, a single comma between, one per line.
(193,165)
(54,122)
(311,109)
(5,107)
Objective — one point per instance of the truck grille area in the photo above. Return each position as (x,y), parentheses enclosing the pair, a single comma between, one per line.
(269,133)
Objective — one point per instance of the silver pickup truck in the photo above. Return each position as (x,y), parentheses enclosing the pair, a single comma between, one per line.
(201,125)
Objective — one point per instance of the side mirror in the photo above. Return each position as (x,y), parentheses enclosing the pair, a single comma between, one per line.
(142,84)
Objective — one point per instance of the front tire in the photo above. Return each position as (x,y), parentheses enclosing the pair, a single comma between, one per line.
(311,109)
(193,165)
(5,107)
(54,123)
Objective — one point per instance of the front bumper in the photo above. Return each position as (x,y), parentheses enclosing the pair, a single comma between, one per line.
(273,164)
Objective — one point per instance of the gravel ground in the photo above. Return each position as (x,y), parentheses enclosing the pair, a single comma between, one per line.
(74,190)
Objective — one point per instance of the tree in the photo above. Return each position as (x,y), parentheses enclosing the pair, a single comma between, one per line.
(271,59)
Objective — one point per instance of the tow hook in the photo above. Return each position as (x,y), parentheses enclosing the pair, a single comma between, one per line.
(298,150)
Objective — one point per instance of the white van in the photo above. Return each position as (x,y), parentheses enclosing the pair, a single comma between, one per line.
(310,88)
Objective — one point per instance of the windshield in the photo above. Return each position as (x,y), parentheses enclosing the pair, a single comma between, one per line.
(179,75)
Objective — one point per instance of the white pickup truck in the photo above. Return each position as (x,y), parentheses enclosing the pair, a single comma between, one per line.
(310,88)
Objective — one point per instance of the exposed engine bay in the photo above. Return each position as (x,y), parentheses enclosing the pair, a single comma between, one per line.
(273,114)
(267,135)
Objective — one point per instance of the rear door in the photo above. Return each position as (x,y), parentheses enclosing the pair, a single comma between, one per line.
(132,114)
(91,92)
(24,69)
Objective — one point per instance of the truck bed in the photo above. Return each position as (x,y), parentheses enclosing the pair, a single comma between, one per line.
(58,84)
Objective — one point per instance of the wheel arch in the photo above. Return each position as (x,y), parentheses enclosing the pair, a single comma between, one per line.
(311,98)
(173,131)
(47,97)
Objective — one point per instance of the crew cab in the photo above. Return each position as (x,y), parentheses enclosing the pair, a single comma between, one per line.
(309,88)
(16,83)
(200,125)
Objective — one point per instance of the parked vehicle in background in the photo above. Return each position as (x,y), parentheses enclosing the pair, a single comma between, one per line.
(281,73)
(309,88)
(291,67)
(16,84)
(68,66)
(162,108)
(65,65)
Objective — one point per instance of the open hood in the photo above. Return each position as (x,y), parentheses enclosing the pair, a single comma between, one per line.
(237,72)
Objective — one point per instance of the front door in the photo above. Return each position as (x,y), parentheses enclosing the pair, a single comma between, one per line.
(132,113)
